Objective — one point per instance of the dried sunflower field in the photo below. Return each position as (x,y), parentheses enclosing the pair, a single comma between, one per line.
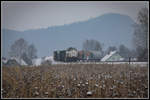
(75,81)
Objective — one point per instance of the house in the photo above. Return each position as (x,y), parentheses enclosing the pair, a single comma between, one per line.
(112,56)
(84,55)
(4,61)
(89,55)
(71,55)
(133,59)
(72,52)
(12,62)
(96,54)
(15,61)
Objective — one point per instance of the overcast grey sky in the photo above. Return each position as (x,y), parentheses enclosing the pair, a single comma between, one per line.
(24,15)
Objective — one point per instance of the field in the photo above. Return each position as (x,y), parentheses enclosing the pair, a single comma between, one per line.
(75,81)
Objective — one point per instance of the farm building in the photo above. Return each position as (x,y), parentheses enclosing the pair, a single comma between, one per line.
(89,55)
(96,54)
(84,55)
(4,60)
(14,61)
(69,55)
(60,55)
(73,55)
(112,56)
(71,52)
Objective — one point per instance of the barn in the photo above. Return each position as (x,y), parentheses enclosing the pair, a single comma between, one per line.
(84,55)
(112,56)
(69,55)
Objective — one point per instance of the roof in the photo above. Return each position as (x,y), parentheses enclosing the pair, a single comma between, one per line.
(4,60)
(20,61)
(96,52)
(108,55)
(11,62)
(71,48)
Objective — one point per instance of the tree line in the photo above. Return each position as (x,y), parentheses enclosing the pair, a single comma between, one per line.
(22,50)
(140,40)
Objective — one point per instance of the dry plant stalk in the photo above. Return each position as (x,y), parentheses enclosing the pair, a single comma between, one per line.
(75,81)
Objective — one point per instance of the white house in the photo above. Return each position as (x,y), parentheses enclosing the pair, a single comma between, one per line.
(71,53)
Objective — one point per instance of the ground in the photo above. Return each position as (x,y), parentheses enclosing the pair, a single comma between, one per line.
(75,81)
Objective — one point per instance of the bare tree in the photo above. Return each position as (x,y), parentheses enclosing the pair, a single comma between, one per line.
(86,45)
(92,45)
(32,52)
(110,48)
(18,48)
(124,51)
(140,38)
(26,59)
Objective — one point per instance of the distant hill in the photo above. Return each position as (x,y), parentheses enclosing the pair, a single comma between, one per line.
(109,29)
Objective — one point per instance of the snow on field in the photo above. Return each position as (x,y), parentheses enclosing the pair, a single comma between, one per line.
(37,61)
(132,63)
(50,58)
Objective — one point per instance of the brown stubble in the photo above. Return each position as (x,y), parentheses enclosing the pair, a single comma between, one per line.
(75,80)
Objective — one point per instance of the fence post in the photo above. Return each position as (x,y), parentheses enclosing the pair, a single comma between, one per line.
(129,60)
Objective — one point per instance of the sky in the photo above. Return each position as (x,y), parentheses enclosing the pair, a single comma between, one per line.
(25,15)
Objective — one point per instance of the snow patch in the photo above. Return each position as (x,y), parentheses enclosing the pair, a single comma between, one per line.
(37,61)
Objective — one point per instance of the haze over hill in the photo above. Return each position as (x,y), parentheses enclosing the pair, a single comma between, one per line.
(109,29)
